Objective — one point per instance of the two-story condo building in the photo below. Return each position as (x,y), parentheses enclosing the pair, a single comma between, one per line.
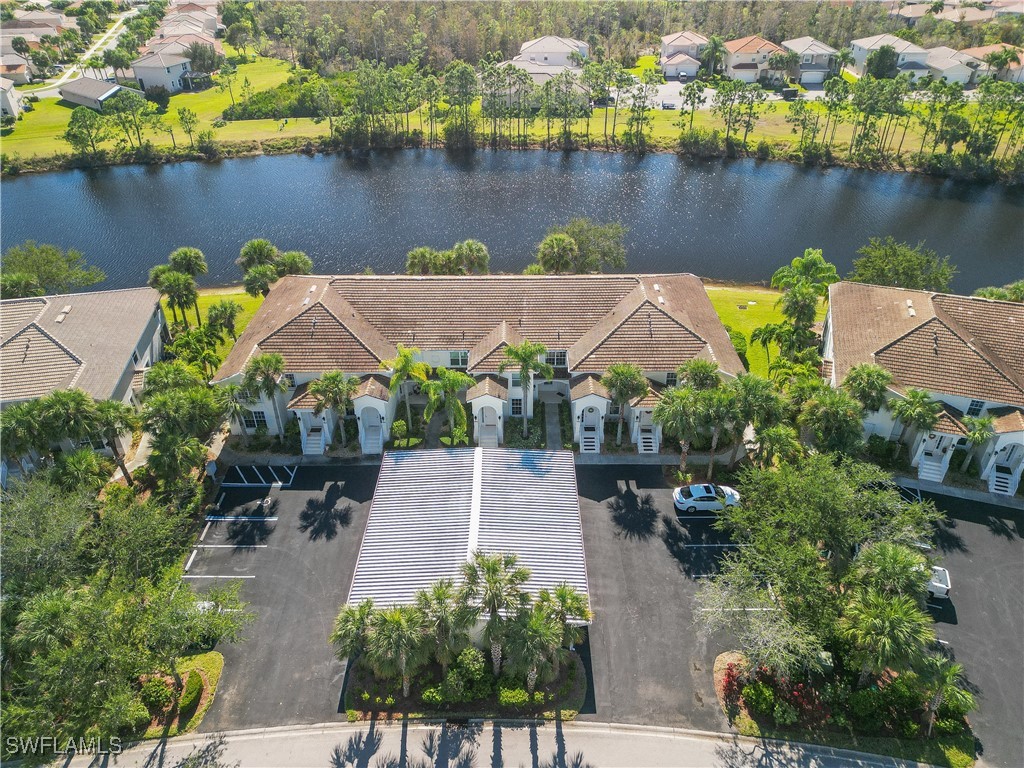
(586,322)
(965,352)
(746,59)
(910,59)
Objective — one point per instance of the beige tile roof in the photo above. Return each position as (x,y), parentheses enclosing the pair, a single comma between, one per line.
(100,332)
(587,384)
(950,421)
(684,38)
(362,318)
(373,385)
(651,398)
(487,385)
(139,379)
(302,398)
(752,44)
(954,345)
(1007,420)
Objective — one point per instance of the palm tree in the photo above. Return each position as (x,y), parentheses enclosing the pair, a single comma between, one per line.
(834,419)
(886,632)
(293,263)
(494,583)
(843,59)
(352,629)
(47,622)
(174,455)
(892,569)
(68,413)
(676,414)
(625,382)
(979,432)
(170,375)
(191,262)
(717,410)
(80,469)
(698,375)
(223,314)
(20,285)
(156,282)
(534,639)
(256,253)
(235,401)
(265,374)
(778,441)
(404,367)
(180,290)
(868,383)
(768,334)
(421,261)
(113,419)
(945,681)
(527,359)
(557,253)
(811,269)
(448,620)
(571,609)
(21,430)
(334,390)
(396,645)
(443,392)
(258,280)
(714,50)
(472,256)
(916,409)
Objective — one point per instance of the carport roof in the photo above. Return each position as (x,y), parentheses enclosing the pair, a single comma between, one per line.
(432,509)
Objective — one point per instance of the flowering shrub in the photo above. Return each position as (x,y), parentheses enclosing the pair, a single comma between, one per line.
(732,685)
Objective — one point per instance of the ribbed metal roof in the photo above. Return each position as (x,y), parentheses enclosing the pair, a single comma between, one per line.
(432,509)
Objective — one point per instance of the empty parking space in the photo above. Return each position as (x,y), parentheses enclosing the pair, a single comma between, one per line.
(246,475)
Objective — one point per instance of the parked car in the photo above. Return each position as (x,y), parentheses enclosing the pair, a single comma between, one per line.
(940,584)
(706,497)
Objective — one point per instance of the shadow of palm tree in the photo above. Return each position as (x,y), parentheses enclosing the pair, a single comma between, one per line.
(207,755)
(321,517)
(694,547)
(358,750)
(634,515)
(248,533)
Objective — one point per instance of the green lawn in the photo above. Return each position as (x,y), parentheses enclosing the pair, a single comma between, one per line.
(212,664)
(644,63)
(727,301)
(208,296)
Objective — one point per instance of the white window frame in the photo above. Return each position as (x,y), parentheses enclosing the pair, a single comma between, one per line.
(254,419)
(514,380)
(515,406)
(671,379)
(290,380)
(458,358)
(556,358)
(975,408)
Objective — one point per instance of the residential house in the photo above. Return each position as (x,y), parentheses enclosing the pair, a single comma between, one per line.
(10,99)
(16,68)
(179,44)
(89,92)
(1004,8)
(817,59)
(911,14)
(681,53)
(168,70)
(947,64)
(966,15)
(746,59)
(205,20)
(1014,73)
(911,58)
(587,322)
(965,352)
(101,342)
(553,51)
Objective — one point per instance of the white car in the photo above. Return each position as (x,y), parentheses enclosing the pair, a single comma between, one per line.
(706,497)
(939,585)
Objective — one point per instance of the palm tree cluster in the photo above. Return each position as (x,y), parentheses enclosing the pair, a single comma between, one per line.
(470,257)
(527,638)
(176,281)
(263,265)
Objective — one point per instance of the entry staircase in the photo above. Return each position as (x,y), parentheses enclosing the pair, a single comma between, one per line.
(1001,480)
(933,470)
(589,441)
(646,443)
(314,443)
(488,437)
(373,442)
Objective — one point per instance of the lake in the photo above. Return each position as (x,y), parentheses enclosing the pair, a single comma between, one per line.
(735,220)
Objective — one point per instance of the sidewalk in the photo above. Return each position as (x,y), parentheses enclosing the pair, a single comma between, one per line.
(968,494)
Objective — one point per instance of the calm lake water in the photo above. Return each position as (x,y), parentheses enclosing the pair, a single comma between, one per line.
(731,221)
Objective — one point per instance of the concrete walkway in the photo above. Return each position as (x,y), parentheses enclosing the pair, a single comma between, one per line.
(141,456)
(552,428)
(968,494)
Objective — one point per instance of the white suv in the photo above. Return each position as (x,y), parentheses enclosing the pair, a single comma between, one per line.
(704,498)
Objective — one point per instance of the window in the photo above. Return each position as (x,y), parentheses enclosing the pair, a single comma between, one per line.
(614,409)
(290,380)
(555,358)
(807,59)
(135,357)
(975,407)
(514,380)
(671,379)
(459,358)
(254,419)
(517,406)
(96,443)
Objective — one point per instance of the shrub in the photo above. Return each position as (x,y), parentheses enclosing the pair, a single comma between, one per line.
(471,664)
(513,697)
(207,144)
(352,715)
(538,697)
(785,714)
(365,697)
(948,727)
(454,686)
(759,699)
(910,729)
(867,710)
(731,684)
(389,701)
(8,120)
(156,694)
(190,696)
(764,150)
(953,710)
(432,696)
(399,429)
(159,96)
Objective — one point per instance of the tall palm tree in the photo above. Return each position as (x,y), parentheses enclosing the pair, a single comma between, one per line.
(843,59)
(768,334)
(113,419)
(534,641)
(676,414)
(259,280)
(698,375)
(334,391)
(191,262)
(22,431)
(180,290)
(396,646)
(421,261)
(156,282)
(46,622)
(625,382)
(945,680)
(868,383)
(404,367)
(443,392)
(174,455)
(223,314)
(557,253)
(811,269)
(892,569)
(714,51)
(916,409)
(265,374)
(571,609)
(235,402)
(979,432)
(448,620)
(527,359)
(834,419)
(885,631)
(257,253)
(352,629)
(80,469)
(494,584)
(778,441)
(717,411)
(293,263)
(759,401)
(472,256)
(68,413)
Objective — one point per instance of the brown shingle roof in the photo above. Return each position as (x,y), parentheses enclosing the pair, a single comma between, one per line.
(42,364)
(487,385)
(588,384)
(953,345)
(1007,420)
(651,398)
(302,398)
(373,385)
(950,421)
(751,44)
(481,314)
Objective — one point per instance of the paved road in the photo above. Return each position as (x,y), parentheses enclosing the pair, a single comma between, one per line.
(422,746)
(107,40)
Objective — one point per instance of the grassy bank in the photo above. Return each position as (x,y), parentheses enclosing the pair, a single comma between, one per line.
(210,296)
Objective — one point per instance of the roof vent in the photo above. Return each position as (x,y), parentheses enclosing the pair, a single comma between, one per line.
(60,317)
(67,308)
(657,288)
(910,308)
(305,301)
(312,288)
(661,299)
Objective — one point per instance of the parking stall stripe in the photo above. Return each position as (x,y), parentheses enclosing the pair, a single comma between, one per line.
(245,480)
(220,518)
(232,546)
(257,472)
(277,480)
(193,557)
(207,528)
(190,576)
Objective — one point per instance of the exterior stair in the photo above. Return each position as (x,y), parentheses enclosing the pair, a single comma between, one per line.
(1000,482)
(589,442)
(646,443)
(932,471)
(314,443)
(373,442)
(488,439)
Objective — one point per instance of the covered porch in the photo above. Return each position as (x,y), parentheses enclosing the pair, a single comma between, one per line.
(591,403)
(643,431)
(1003,460)
(315,430)
(935,447)
(488,399)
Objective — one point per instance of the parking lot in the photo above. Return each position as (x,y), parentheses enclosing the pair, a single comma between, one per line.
(294,548)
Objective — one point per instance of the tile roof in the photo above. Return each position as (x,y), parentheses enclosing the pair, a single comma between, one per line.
(982,51)
(950,421)
(751,44)
(877,41)
(808,45)
(89,88)
(360,319)
(588,384)
(679,58)
(552,43)
(1006,420)
(159,60)
(651,398)
(373,385)
(302,398)
(89,347)
(684,38)
(487,385)
(953,345)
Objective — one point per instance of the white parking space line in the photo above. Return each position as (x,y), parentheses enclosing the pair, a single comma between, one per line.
(682,518)
(220,518)
(232,546)
(277,480)
(221,500)
(291,473)
(190,576)
(257,473)
(205,530)
(245,480)
(692,546)
(193,557)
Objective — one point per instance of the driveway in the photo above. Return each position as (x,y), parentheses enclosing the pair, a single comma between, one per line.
(295,559)
(648,664)
(983,623)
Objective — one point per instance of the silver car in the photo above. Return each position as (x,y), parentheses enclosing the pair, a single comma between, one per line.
(706,497)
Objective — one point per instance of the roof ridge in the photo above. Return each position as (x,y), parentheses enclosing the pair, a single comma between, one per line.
(979,347)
